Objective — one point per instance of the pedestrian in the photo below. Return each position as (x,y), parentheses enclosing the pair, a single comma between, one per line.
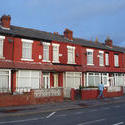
(101,88)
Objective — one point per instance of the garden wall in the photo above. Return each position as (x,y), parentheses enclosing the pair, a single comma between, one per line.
(92,93)
(32,97)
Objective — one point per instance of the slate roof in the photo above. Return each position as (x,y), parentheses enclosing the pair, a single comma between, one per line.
(47,36)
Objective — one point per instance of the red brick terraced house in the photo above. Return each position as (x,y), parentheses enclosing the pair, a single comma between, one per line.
(33,60)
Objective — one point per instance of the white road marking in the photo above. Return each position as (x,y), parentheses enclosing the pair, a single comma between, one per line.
(90,122)
(17,121)
(50,114)
(120,123)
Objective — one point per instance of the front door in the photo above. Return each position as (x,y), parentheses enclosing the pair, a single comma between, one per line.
(111,81)
(46,80)
(55,80)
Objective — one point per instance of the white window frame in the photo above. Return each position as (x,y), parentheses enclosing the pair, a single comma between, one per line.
(9,82)
(74,76)
(73,55)
(26,89)
(105,75)
(56,51)
(55,80)
(118,76)
(101,76)
(2,40)
(30,42)
(101,59)
(107,59)
(116,60)
(90,50)
(45,84)
(46,44)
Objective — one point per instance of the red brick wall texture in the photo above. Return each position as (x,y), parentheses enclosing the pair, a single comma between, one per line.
(93,94)
(27,99)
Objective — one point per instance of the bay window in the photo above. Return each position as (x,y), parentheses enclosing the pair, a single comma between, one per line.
(94,79)
(28,79)
(5,80)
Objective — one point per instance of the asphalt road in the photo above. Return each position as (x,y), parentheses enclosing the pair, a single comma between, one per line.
(100,115)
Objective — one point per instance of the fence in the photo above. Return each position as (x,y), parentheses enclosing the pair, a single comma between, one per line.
(47,92)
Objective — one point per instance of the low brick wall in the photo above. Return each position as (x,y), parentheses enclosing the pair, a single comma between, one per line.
(92,93)
(27,99)
(14,100)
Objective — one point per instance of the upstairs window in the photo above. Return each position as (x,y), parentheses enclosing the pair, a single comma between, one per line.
(116,60)
(107,59)
(46,52)
(101,59)
(55,53)
(1,46)
(71,55)
(90,57)
(27,50)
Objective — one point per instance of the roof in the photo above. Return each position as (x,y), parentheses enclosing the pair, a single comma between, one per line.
(56,68)
(47,36)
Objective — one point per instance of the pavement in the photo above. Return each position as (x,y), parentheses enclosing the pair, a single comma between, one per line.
(57,106)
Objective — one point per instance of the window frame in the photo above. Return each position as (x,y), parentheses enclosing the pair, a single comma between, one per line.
(48,57)
(30,43)
(94,75)
(9,82)
(116,60)
(101,59)
(90,50)
(28,87)
(107,59)
(56,59)
(71,49)
(2,38)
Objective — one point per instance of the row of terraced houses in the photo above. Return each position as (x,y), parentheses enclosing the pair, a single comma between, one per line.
(36,60)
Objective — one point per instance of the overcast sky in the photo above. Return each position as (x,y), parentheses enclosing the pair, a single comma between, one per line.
(87,19)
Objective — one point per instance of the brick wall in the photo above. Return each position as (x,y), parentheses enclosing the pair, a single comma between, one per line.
(89,93)
(27,99)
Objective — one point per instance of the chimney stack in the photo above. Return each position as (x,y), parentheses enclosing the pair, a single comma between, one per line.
(68,34)
(108,42)
(5,21)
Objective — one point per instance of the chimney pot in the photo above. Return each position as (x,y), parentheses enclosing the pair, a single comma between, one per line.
(68,34)
(5,21)
(108,42)
(55,33)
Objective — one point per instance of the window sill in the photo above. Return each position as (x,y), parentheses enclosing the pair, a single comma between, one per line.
(46,60)
(55,61)
(26,59)
(117,66)
(1,57)
(71,63)
(101,65)
(90,64)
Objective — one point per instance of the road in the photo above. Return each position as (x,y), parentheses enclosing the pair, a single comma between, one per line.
(100,115)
